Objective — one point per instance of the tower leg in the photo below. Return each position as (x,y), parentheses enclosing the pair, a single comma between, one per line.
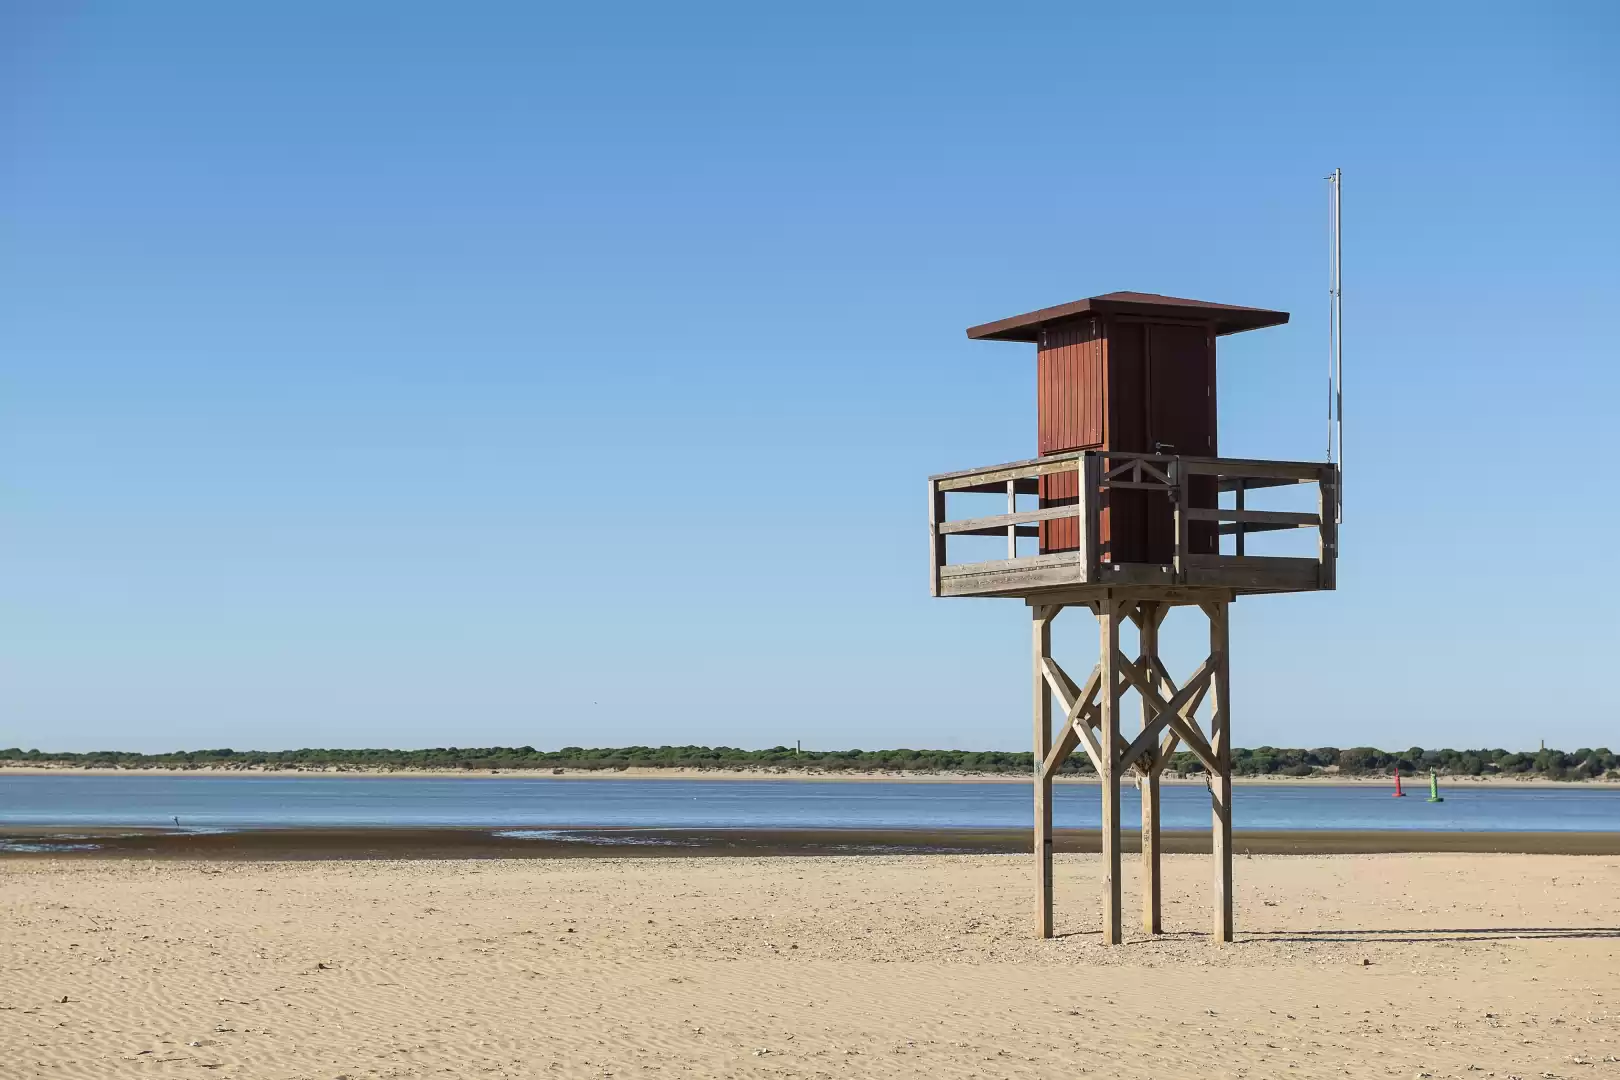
(1108,615)
(1150,616)
(1220,785)
(1043,782)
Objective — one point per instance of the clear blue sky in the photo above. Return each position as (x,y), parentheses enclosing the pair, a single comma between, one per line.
(381,374)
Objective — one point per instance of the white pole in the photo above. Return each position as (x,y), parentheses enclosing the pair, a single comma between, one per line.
(1338,324)
(1333,312)
(1335,436)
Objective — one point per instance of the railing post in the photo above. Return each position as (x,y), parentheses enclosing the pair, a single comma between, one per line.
(936,541)
(1183,489)
(1241,528)
(1012,530)
(1327,534)
(1090,468)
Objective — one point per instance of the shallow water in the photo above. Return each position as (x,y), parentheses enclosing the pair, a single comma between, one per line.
(237,802)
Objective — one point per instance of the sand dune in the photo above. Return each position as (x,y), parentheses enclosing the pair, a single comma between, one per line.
(1391,965)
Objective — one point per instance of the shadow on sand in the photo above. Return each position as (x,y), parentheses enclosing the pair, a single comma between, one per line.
(1412,937)
(1393,937)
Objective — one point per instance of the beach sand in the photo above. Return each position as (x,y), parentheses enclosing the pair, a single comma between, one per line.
(1440,965)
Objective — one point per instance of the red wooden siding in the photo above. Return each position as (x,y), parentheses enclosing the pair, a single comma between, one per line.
(1071,395)
(1070,370)
(1060,489)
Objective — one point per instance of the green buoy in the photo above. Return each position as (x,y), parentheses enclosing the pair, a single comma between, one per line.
(1434,787)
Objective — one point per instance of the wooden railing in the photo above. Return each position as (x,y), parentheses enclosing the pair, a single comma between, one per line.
(1101,471)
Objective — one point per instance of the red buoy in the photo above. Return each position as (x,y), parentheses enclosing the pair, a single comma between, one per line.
(1399,794)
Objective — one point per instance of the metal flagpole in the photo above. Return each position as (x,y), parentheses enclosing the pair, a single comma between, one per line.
(1335,436)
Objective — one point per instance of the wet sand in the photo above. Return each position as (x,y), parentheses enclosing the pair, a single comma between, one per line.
(1363,966)
(566,843)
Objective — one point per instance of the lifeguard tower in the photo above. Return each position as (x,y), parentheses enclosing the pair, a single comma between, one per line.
(1134,511)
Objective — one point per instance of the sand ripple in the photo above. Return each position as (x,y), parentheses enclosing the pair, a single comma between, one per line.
(1438,965)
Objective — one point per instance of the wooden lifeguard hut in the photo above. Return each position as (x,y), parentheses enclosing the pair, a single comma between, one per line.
(1135,513)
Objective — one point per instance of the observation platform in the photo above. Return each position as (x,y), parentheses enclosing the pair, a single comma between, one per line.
(1176,496)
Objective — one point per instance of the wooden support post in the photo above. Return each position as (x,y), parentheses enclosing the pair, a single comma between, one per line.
(1180,518)
(1012,530)
(936,539)
(1220,786)
(1109,613)
(1327,543)
(1090,479)
(1043,781)
(1241,526)
(1152,614)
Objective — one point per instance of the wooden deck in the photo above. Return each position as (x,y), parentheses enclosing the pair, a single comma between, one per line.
(1081,575)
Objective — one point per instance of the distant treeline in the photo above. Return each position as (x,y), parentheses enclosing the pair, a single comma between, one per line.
(1583,764)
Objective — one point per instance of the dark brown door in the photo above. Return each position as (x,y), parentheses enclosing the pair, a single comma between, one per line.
(1123,526)
(1181,420)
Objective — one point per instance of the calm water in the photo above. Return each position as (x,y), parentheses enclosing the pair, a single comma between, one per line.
(236,802)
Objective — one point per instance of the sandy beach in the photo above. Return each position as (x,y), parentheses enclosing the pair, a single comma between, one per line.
(1438,965)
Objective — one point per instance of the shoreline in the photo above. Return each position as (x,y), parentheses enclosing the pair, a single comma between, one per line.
(382,843)
(789,775)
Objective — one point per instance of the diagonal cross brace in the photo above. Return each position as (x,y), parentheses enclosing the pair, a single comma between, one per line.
(1080,708)
(1152,473)
(1166,712)
(1084,714)
(1180,721)
(1195,739)
(1172,738)
(1173,712)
